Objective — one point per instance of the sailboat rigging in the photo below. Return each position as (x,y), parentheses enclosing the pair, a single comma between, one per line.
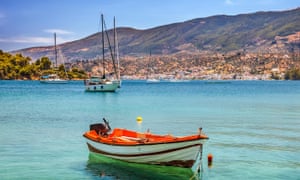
(54,78)
(103,83)
(150,78)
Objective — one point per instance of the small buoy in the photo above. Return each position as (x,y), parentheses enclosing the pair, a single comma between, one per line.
(209,160)
(139,119)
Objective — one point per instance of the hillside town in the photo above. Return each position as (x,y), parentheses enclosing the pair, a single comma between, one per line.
(272,60)
(239,65)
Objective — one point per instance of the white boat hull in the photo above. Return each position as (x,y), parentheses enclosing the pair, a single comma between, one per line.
(107,87)
(150,81)
(52,79)
(181,154)
(59,81)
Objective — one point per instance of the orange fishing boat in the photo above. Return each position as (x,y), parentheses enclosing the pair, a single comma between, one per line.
(148,148)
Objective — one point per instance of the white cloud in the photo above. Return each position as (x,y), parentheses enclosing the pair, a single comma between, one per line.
(33,40)
(228,2)
(27,40)
(58,31)
(21,41)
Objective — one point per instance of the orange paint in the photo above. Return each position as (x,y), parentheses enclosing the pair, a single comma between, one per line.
(128,137)
(209,160)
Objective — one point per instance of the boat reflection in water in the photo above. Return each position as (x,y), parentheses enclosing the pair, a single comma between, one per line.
(108,168)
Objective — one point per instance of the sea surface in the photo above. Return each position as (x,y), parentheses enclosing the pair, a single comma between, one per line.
(253,126)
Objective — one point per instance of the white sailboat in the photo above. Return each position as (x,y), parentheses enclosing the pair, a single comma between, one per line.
(53,78)
(103,83)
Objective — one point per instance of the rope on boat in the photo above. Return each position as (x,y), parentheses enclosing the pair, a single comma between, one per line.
(195,174)
(199,167)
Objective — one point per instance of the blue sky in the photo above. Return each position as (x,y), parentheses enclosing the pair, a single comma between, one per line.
(28,23)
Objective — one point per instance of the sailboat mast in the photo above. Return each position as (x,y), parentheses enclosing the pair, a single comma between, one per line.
(103,64)
(116,50)
(149,62)
(115,38)
(55,50)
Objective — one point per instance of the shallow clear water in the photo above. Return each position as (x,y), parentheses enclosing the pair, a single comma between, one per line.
(253,127)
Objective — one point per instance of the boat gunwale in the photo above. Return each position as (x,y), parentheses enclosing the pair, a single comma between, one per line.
(145,143)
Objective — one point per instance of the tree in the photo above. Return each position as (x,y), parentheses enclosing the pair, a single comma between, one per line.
(61,68)
(19,67)
(45,63)
(275,76)
(26,72)
(293,74)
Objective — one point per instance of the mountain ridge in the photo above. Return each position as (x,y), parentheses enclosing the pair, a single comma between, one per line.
(253,32)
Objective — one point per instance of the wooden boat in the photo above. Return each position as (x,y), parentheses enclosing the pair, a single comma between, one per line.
(148,148)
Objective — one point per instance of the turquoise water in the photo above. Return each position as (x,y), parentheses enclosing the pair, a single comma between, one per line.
(253,127)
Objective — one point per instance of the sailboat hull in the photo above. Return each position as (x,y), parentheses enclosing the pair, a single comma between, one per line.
(106,87)
(52,79)
(59,81)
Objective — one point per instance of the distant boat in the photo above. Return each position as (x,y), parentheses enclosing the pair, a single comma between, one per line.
(103,83)
(53,78)
(147,148)
(179,77)
(174,80)
(151,79)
